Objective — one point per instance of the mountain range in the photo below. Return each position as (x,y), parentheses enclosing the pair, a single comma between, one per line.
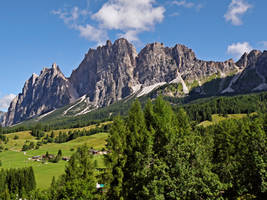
(114,72)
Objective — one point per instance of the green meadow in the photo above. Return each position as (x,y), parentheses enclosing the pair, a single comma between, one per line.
(216,118)
(44,172)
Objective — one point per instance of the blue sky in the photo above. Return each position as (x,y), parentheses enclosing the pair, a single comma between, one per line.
(34,34)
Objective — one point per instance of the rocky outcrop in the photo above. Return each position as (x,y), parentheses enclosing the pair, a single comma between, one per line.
(41,94)
(2,114)
(254,75)
(106,74)
(156,63)
(115,71)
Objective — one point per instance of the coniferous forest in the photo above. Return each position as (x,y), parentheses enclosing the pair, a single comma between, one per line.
(160,153)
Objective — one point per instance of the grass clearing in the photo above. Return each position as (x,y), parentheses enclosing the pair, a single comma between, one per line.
(216,118)
(14,158)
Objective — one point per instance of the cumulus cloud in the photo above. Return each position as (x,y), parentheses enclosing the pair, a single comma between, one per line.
(126,16)
(184,3)
(236,10)
(91,33)
(72,19)
(5,101)
(238,49)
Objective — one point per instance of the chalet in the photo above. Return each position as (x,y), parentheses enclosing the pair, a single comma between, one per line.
(103,152)
(49,156)
(36,157)
(65,158)
(96,152)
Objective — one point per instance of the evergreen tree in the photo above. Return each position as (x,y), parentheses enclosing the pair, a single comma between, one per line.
(116,159)
(79,180)
(139,154)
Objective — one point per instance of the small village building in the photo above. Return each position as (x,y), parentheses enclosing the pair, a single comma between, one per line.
(65,158)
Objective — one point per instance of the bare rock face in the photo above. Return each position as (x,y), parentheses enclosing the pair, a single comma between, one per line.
(2,114)
(114,71)
(106,74)
(41,94)
(254,75)
(156,63)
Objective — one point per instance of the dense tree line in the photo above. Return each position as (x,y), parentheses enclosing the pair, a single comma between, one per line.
(3,138)
(157,153)
(202,110)
(63,137)
(239,156)
(198,110)
(16,183)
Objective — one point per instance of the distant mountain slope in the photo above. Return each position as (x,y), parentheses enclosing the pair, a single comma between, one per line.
(40,94)
(115,72)
(1,116)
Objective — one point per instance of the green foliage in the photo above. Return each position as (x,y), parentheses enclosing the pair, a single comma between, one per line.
(202,110)
(79,180)
(16,137)
(239,156)
(16,183)
(28,146)
(156,155)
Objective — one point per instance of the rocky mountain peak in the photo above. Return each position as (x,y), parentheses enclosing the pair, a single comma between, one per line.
(54,66)
(114,71)
(41,94)
(248,59)
(106,74)
(184,52)
(108,43)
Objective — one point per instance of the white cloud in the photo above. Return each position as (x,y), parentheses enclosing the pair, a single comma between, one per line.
(187,4)
(238,49)
(236,9)
(184,3)
(91,33)
(71,19)
(264,43)
(129,17)
(6,100)
(130,35)
(70,16)
(174,14)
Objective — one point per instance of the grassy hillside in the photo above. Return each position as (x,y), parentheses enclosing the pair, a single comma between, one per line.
(216,118)
(44,172)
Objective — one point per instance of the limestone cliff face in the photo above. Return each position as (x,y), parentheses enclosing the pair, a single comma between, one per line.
(106,74)
(157,63)
(114,71)
(254,76)
(2,114)
(41,94)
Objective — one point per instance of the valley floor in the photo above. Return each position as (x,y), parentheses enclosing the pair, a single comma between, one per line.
(44,172)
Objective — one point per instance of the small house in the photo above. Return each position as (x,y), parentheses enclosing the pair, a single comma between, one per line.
(65,158)
(36,157)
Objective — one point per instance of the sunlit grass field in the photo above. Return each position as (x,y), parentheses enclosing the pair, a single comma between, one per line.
(44,172)
(216,118)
